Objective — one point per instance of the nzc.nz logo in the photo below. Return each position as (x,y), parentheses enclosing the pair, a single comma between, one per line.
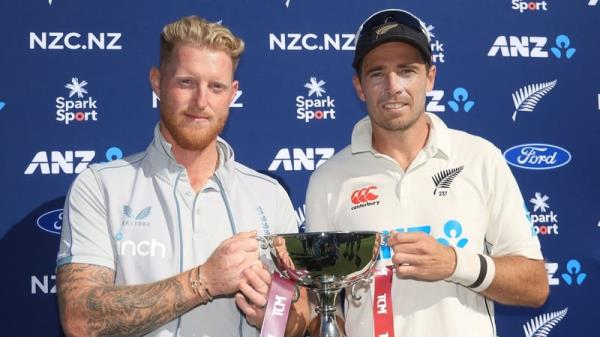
(537,156)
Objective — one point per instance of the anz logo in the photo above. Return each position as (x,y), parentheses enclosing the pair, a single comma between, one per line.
(58,162)
(301,159)
(74,41)
(573,275)
(453,233)
(531,46)
(459,102)
(66,162)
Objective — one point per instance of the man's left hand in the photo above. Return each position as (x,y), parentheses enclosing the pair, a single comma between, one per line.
(253,295)
(419,256)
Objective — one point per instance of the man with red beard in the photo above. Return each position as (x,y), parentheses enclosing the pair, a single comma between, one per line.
(162,243)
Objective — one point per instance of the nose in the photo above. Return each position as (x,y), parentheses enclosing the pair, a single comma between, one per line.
(393,84)
(201,97)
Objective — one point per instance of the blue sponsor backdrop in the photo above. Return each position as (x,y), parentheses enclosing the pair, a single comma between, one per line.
(74,90)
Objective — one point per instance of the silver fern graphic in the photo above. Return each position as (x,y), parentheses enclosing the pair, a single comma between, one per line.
(527,98)
(541,325)
(444,178)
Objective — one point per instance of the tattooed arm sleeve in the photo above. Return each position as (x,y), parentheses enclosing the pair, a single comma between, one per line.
(91,305)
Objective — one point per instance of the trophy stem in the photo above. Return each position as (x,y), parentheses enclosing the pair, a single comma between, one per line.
(326,310)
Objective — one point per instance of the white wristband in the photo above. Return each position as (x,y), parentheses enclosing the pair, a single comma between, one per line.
(475,271)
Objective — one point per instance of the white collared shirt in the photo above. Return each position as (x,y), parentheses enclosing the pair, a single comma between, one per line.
(458,189)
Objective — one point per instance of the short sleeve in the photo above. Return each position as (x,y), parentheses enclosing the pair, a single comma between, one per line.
(85,236)
(510,231)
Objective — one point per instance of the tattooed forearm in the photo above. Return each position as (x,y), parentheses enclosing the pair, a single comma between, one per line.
(91,304)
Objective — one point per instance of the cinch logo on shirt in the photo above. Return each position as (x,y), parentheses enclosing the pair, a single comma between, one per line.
(152,248)
(364,197)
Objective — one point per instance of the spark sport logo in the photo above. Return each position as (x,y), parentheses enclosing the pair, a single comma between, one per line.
(79,108)
(319,107)
(544,220)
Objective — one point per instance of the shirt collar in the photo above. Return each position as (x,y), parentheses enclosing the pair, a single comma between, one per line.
(437,142)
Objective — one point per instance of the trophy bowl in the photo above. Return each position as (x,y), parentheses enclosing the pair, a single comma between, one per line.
(324,262)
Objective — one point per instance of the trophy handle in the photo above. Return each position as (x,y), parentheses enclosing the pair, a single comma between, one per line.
(353,291)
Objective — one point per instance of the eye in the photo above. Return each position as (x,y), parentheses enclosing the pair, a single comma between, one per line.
(407,71)
(185,82)
(217,87)
(376,75)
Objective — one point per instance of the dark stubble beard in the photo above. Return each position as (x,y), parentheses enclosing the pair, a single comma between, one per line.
(186,135)
(397,124)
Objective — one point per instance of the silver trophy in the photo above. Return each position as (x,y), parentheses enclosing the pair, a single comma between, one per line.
(325,263)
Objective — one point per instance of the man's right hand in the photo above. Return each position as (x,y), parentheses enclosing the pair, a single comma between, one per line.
(222,271)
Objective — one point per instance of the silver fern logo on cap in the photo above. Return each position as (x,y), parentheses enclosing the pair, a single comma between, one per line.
(384,29)
(527,98)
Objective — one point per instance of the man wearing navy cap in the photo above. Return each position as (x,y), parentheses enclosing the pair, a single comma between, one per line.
(460,236)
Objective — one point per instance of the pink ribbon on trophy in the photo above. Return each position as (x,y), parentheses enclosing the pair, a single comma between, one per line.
(278,307)
(383,311)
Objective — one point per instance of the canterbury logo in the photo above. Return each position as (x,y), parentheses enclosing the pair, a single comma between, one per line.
(444,178)
(363,195)
(385,29)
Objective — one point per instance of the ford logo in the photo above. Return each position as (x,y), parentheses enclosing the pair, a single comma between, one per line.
(537,156)
(51,221)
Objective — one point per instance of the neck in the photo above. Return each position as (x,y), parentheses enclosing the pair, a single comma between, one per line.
(199,164)
(402,145)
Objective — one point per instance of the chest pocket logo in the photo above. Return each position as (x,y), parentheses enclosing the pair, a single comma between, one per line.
(443,179)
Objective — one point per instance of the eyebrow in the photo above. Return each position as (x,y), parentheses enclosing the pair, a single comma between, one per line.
(413,65)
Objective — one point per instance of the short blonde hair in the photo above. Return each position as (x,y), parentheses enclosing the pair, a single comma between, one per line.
(198,31)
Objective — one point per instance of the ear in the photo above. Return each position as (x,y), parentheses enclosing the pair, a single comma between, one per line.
(358,88)
(234,88)
(431,77)
(154,77)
